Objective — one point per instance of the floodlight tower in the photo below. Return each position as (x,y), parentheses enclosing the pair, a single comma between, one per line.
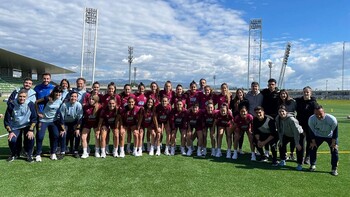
(88,52)
(254,50)
(270,67)
(284,65)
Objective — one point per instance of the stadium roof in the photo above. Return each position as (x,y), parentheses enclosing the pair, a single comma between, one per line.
(17,61)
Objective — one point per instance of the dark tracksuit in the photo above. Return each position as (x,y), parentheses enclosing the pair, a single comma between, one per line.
(69,117)
(305,109)
(20,119)
(265,129)
(322,130)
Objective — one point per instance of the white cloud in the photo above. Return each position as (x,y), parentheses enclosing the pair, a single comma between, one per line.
(173,40)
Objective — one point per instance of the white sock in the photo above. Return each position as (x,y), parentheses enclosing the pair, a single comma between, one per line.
(103,150)
(122,148)
(84,150)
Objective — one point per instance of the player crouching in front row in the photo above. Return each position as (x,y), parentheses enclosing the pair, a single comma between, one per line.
(264,131)
(20,119)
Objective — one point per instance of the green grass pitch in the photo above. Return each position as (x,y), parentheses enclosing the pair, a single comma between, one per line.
(177,175)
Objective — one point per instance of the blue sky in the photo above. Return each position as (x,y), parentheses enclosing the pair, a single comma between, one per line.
(185,40)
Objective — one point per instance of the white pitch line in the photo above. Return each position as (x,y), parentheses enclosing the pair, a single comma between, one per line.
(4,135)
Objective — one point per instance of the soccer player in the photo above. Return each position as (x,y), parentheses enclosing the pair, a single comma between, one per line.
(206,96)
(111,93)
(95,91)
(51,104)
(69,115)
(179,96)
(147,118)
(224,96)
(178,121)
(110,119)
(167,92)
(154,93)
(91,114)
(244,124)
(209,118)
(235,105)
(193,95)
(324,128)
(264,131)
(289,130)
(131,118)
(140,97)
(20,119)
(195,122)
(163,116)
(124,96)
(224,123)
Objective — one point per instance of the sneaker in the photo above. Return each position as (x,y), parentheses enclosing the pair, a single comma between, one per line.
(204,152)
(282,163)
(30,159)
(158,152)
(253,157)
(53,157)
(85,155)
(151,151)
(199,153)
(292,157)
(275,163)
(183,152)
(235,155)
(61,156)
(299,167)
(307,160)
(218,153)
(228,154)
(97,154)
(172,151)
(213,152)
(241,152)
(103,155)
(334,172)
(135,153)
(140,152)
(189,152)
(263,159)
(58,150)
(38,158)
(257,153)
(122,154)
(312,168)
(115,153)
(267,154)
(11,158)
(166,151)
(76,154)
